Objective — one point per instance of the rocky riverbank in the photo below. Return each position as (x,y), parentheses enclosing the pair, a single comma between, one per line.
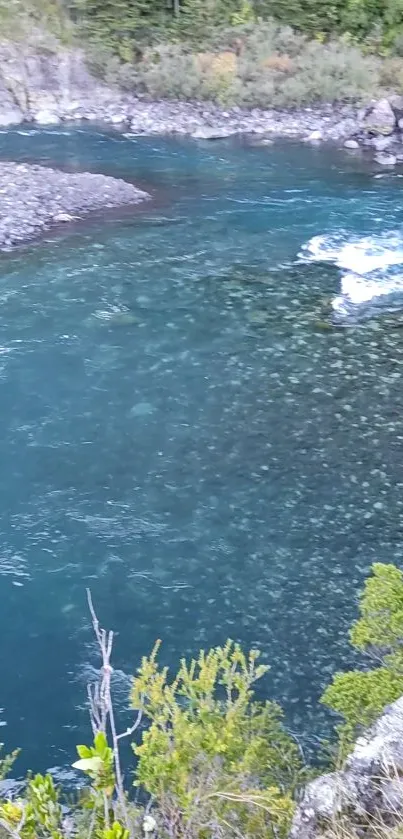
(56,87)
(34,198)
(53,85)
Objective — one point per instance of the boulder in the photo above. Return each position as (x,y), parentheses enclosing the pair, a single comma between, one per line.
(351,144)
(380,119)
(369,786)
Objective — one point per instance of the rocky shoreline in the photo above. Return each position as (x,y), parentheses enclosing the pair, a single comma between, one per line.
(377,128)
(53,86)
(35,198)
(204,121)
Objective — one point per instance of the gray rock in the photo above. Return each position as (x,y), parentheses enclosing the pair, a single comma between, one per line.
(380,119)
(386,159)
(315,136)
(382,143)
(118,119)
(351,144)
(370,783)
(207,133)
(343,129)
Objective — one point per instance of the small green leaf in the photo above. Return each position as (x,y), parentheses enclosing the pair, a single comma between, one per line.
(100,742)
(83,751)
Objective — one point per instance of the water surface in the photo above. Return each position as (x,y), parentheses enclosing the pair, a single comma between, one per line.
(179,431)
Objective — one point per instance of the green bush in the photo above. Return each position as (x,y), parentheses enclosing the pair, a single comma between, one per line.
(272,67)
(357,696)
(211,754)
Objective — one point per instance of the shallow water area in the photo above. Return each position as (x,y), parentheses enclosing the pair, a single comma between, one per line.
(184,430)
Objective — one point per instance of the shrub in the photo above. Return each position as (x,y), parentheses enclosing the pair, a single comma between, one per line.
(267,66)
(211,755)
(213,760)
(391,74)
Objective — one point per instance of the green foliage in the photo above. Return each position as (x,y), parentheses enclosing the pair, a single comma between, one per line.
(274,67)
(211,753)
(380,627)
(35,21)
(44,813)
(119,24)
(116,831)
(359,696)
(7,762)
(39,815)
(98,763)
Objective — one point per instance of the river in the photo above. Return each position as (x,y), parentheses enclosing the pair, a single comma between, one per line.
(184,431)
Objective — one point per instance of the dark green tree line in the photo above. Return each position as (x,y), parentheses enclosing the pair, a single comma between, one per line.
(120,22)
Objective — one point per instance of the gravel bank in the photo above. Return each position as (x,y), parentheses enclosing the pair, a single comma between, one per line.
(34,198)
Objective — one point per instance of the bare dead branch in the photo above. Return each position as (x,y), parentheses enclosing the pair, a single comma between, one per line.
(102,713)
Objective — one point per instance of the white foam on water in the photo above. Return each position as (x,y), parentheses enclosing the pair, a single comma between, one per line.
(359,255)
(370,268)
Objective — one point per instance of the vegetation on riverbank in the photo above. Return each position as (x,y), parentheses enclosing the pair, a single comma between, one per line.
(255,65)
(210,759)
(233,52)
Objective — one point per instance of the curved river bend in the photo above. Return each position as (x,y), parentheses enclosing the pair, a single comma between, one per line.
(179,431)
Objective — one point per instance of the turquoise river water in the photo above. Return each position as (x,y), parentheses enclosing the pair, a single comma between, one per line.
(201,419)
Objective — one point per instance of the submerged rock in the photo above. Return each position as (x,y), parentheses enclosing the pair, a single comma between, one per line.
(351,144)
